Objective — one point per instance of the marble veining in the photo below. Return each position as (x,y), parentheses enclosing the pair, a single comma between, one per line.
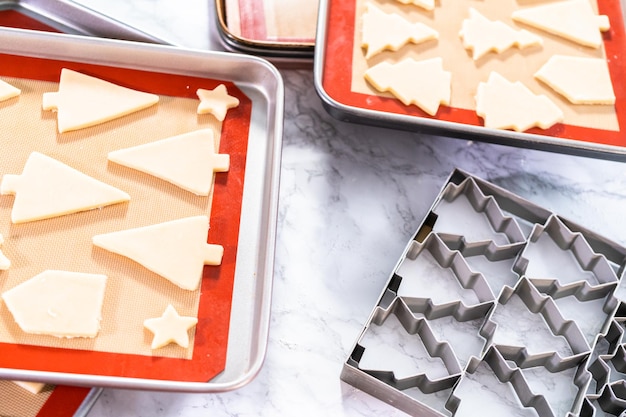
(350,198)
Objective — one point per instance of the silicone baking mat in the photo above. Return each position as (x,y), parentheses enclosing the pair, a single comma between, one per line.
(122,347)
(344,64)
(60,401)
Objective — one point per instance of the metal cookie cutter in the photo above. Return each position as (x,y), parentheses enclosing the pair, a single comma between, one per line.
(419,269)
(379,380)
(463,207)
(505,374)
(535,303)
(495,263)
(554,254)
(448,277)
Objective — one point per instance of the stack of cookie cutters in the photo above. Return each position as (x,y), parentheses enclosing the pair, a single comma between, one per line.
(498,305)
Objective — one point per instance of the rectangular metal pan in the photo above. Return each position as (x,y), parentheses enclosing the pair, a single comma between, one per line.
(337,51)
(253,271)
(244,27)
(67,16)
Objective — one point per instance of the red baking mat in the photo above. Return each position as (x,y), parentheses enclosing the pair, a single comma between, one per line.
(211,338)
(63,401)
(336,77)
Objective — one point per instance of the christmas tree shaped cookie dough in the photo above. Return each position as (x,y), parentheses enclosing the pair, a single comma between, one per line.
(507,105)
(170,328)
(482,35)
(424,4)
(49,188)
(570,19)
(581,80)
(391,31)
(5,263)
(83,101)
(58,303)
(188,160)
(8,91)
(176,250)
(423,83)
(216,101)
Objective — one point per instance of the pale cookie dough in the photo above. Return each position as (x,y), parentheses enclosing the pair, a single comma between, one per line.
(216,101)
(507,105)
(5,263)
(581,80)
(48,188)
(391,31)
(424,4)
(188,160)
(170,328)
(8,91)
(176,250)
(423,83)
(83,101)
(571,19)
(32,387)
(58,303)
(482,35)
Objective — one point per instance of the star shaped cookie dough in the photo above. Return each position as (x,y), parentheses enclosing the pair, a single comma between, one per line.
(170,327)
(216,101)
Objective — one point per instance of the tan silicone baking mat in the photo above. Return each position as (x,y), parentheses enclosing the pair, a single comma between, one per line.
(132,292)
(514,64)
(18,402)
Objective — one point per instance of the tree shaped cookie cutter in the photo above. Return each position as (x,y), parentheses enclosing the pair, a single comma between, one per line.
(575,243)
(505,374)
(493,254)
(420,328)
(555,304)
(538,303)
(445,259)
(482,205)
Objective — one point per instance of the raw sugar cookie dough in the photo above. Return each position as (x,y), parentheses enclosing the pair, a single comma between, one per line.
(49,188)
(515,64)
(8,91)
(58,303)
(189,161)
(83,101)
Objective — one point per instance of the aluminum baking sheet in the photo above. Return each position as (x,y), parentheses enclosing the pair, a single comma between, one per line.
(340,63)
(279,30)
(235,297)
(66,16)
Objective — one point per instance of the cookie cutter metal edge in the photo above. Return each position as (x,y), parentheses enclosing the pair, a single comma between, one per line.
(538,303)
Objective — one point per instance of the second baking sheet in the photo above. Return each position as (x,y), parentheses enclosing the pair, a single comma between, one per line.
(341,63)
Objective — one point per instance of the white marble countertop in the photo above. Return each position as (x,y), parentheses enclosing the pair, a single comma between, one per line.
(351,197)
